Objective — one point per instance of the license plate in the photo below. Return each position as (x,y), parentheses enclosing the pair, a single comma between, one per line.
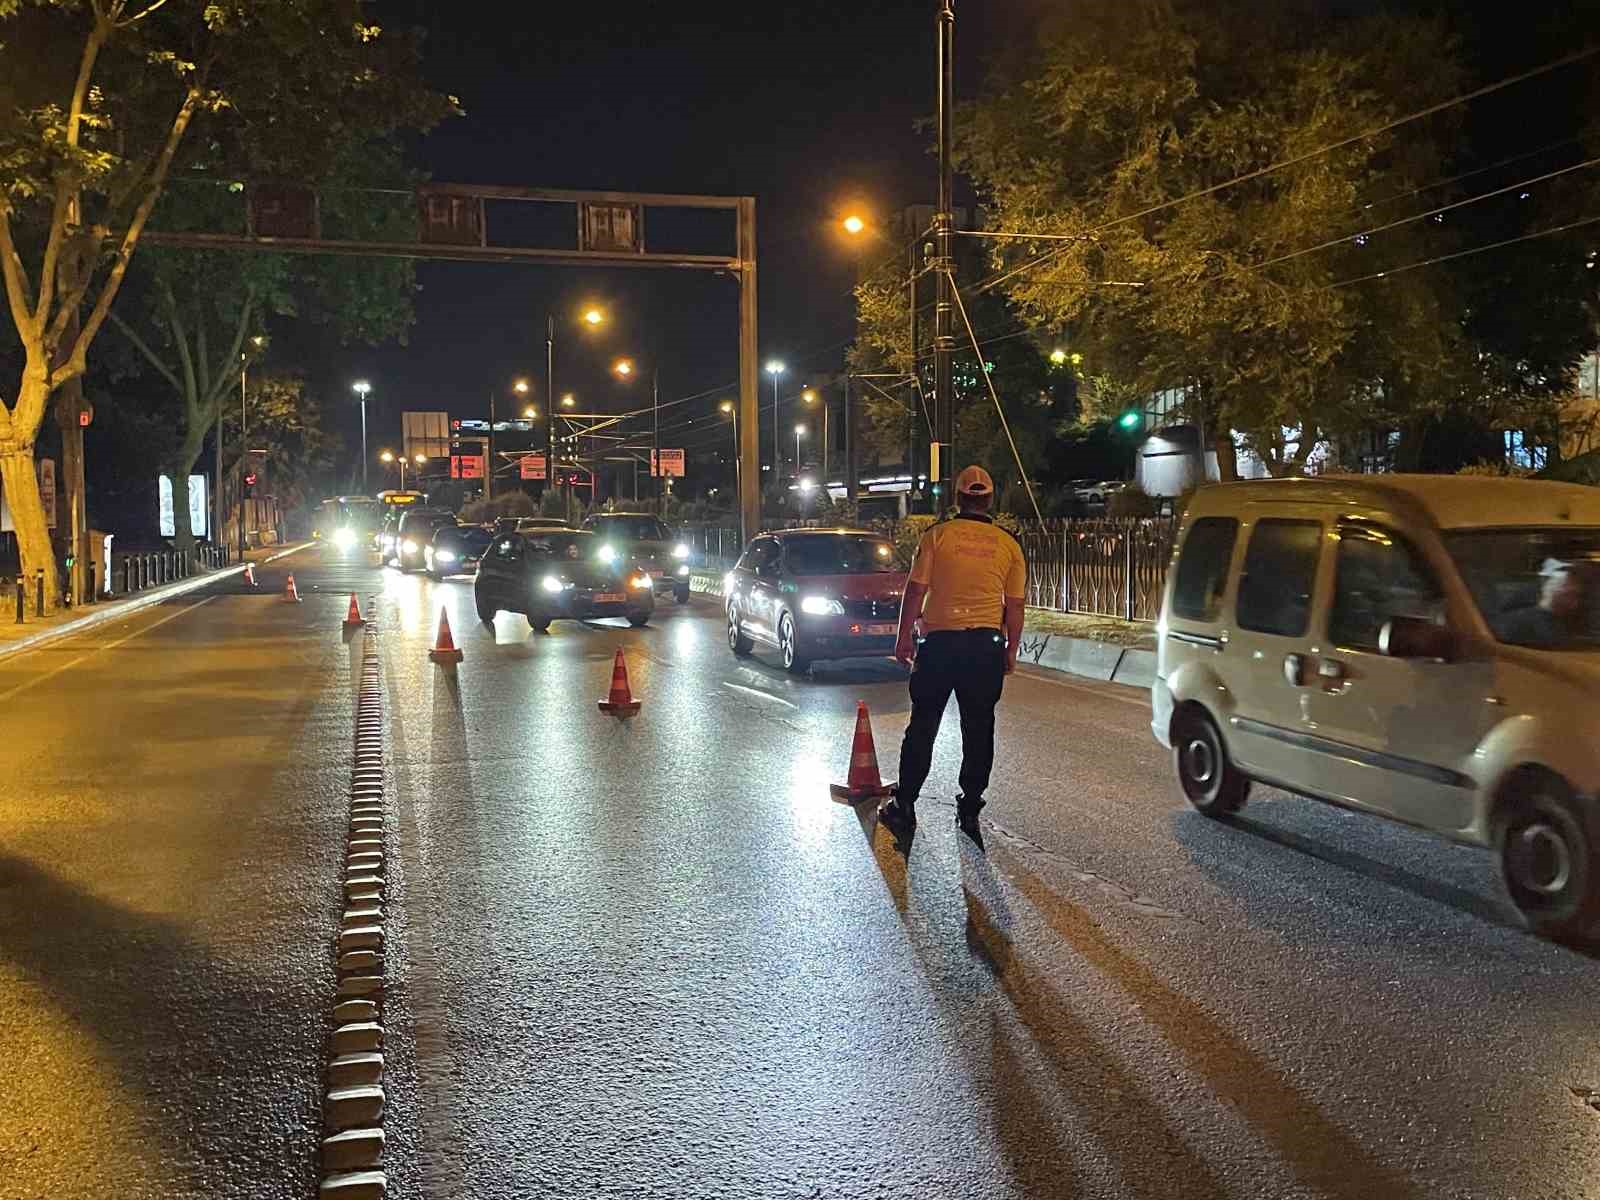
(609,598)
(879,630)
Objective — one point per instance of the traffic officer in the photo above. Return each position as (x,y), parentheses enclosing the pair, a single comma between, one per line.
(966,586)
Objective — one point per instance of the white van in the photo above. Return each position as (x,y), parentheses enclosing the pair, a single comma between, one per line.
(1424,648)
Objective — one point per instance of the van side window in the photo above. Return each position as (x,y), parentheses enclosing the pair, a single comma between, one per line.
(1280,570)
(1203,568)
(1378,576)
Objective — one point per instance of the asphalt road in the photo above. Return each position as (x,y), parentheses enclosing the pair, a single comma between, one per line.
(171,786)
(657,959)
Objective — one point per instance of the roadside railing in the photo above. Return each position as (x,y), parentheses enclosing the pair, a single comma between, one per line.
(1105,566)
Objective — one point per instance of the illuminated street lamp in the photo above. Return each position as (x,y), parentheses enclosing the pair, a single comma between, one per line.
(520,387)
(568,400)
(530,413)
(388,456)
(593,316)
(853,225)
(623,367)
(810,397)
(361,387)
(728,407)
(775,368)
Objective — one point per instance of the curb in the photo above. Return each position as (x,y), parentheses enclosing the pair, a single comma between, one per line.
(1087,658)
(146,600)
(353,1104)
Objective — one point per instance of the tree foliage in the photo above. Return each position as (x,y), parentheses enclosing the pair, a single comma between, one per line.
(1244,295)
(103,101)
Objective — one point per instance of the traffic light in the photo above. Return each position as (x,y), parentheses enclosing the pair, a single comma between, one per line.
(1130,420)
(250,479)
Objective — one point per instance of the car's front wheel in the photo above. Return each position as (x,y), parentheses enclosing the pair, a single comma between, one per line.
(1207,775)
(1548,856)
(639,620)
(681,594)
(539,624)
(737,641)
(794,661)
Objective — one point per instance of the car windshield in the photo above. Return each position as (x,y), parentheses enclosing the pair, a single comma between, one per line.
(558,544)
(469,536)
(1535,587)
(840,554)
(635,529)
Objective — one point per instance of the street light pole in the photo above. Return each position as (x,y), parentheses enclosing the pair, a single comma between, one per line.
(488,466)
(799,432)
(775,369)
(655,435)
(944,266)
(362,387)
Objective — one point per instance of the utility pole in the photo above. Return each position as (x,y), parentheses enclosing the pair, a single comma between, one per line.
(944,342)
(488,455)
(655,437)
(549,401)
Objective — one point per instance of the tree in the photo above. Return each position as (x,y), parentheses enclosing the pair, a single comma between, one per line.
(197,316)
(102,102)
(1114,139)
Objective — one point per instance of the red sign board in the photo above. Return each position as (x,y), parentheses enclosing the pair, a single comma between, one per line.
(533,466)
(670,463)
(466,466)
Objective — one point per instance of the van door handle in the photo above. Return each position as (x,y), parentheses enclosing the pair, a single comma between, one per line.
(1331,669)
(1294,669)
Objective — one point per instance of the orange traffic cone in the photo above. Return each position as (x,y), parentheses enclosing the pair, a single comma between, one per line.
(444,646)
(291,594)
(250,574)
(354,617)
(864,782)
(621,702)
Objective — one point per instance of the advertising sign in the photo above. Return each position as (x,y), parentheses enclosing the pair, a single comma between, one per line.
(47,496)
(199,506)
(466,466)
(670,463)
(533,466)
(426,433)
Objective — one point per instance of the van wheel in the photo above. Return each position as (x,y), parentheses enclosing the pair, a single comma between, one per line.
(1209,779)
(1548,857)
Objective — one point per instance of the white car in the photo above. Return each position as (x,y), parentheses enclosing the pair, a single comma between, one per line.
(1423,648)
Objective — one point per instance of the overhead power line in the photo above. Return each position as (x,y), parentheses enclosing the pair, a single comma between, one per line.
(1295,160)
(1428,262)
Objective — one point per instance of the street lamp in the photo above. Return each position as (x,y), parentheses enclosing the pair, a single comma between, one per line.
(568,400)
(799,432)
(530,413)
(361,387)
(854,225)
(775,368)
(729,407)
(810,397)
(520,387)
(624,369)
(593,316)
(388,456)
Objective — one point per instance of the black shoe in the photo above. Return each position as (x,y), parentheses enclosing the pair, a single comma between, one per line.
(967,821)
(899,816)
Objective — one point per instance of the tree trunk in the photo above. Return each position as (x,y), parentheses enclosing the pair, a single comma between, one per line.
(1227,457)
(18,476)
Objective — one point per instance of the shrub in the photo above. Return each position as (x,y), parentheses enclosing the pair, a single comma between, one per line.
(511,504)
(1131,502)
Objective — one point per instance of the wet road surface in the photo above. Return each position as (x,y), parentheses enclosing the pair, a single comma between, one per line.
(656,959)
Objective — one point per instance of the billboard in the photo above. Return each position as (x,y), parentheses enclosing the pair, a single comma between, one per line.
(425,433)
(199,506)
(533,466)
(47,496)
(466,466)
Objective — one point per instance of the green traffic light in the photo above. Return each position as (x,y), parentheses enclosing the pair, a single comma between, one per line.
(1128,420)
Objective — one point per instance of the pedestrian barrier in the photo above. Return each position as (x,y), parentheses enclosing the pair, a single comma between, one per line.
(862,782)
(620,703)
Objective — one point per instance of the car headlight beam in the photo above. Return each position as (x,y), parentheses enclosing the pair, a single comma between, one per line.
(408,546)
(680,551)
(607,554)
(821,606)
(639,581)
(444,556)
(344,538)
(551,583)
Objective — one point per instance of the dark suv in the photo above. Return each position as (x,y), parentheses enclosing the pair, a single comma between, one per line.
(646,540)
(816,593)
(559,573)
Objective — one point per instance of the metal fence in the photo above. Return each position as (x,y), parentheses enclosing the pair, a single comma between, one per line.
(1109,567)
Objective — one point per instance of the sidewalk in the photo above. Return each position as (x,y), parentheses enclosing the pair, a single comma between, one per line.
(36,631)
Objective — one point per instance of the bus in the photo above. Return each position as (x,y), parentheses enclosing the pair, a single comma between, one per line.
(348,522)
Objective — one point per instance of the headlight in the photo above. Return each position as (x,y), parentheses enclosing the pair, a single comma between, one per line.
(550,583)
(606,554)
(444,556)
(344,538)
(639,581)
(680,551)
(683,570)
(408,546)
(821,606)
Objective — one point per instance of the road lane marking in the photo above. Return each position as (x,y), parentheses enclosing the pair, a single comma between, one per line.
(750,691)
(143,629)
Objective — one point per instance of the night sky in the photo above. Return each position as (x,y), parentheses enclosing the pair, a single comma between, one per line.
(811,108)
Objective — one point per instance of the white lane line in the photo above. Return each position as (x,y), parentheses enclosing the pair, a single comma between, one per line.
(51,674)
(1138,699)
(739,687)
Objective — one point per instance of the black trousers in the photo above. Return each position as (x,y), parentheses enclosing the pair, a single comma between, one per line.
(972,664)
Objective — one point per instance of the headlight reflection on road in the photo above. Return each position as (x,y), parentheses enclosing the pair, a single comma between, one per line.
(809,813)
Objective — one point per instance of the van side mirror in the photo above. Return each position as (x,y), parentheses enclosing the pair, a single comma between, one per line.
(1412,637)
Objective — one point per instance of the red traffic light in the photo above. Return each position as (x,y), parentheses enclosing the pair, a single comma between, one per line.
(250,479)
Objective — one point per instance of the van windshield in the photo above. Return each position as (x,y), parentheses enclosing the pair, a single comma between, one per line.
(1535,587)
